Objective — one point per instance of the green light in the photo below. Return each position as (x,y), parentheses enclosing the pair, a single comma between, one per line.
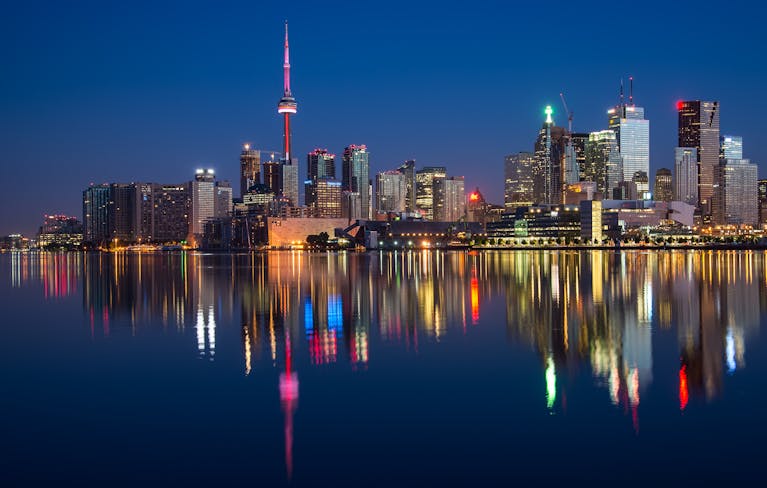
(548,113)
(551,383)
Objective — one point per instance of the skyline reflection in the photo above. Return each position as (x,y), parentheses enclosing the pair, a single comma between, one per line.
(596,312)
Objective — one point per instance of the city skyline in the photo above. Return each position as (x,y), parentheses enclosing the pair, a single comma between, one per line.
(107,135)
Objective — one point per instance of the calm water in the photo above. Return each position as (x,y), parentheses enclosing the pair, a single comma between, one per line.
(388,369)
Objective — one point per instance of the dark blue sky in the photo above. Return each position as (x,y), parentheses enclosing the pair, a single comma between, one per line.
(132,91)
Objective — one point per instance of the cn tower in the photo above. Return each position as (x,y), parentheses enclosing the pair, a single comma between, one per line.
(287,105)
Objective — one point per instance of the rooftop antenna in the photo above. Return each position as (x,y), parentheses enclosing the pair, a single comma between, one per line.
(631,91)
(621,92)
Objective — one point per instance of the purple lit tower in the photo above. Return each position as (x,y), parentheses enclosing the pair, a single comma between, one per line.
(287,105)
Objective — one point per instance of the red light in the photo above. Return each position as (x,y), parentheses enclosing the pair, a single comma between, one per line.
(684,395)
(473,197)
(679,105)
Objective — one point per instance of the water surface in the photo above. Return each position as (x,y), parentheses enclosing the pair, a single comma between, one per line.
(383,368)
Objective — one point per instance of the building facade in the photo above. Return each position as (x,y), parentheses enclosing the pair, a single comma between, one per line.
(449,199)
(391,192)
(686,175)
(699,129)
(356,177)
(518,180)
(664,185)
(425,189)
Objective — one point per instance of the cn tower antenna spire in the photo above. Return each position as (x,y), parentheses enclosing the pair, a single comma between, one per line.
(286,64)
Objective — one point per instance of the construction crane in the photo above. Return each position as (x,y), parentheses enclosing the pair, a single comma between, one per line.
(571,167)
(569,114)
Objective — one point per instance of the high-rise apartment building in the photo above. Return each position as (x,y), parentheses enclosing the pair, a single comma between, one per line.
(250,168)
(449,199)
(122,212)
(172,211)
(686,175)
(424,179)
(663,191)
(603,164)
(290,183)
(391,192)
(518,180)
(356,177)
(699,129)
(95,214)
(273,176)
(327,198)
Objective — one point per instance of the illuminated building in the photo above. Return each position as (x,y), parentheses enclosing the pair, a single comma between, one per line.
(664,185)
(579,140)
(425,189)
(762,202)
(122,212)
(632,132)
(518,180)
(449,199)
(591,220)
(222,205)
(408,170)
(737,194)
(699,129)
(642,182)
(203,200)
(273,176)
(356,180)
(539,221)
(730,147)
(95,214)
(60,231)
(686,175)
(319,164)
(476,207)
(250,168)
(549,156)
(172,208)
(578,192)
(290,183)
(326,197)
(391,192)
(602,161)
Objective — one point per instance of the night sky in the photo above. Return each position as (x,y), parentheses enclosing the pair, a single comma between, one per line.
(132,91)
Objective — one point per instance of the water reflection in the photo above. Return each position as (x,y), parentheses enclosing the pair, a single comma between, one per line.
(595,311)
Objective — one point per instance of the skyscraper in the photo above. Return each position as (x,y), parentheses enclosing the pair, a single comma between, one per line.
(424,179)
(632,132)
(738,193)
(730,147)
(391,192)
(327,198)
(699,129)
(664,186)
(319,164)
(273,176)
(250,168)
(449,199)
(602,163)
(222,206)
(95,214)
(686,175)
(762,202)
(549,156)
(203,201)
(408,169)
(122,212)
(356,179)
(518,180)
